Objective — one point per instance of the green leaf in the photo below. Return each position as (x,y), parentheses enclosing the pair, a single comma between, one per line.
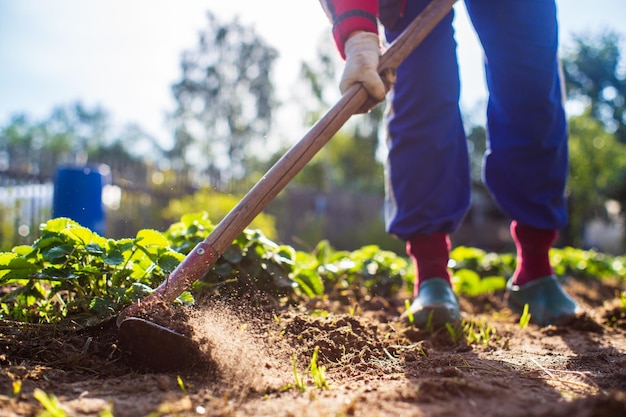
(168,262)
(149,237)
(113,257)
(58,224)
(58,253)
(94,249)
(102,306)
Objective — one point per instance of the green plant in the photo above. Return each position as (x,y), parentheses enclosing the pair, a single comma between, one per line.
(409,313)
(181,384)
(369,268)
(452,331)
(318,373)
(524,318)
(479,333)
(50,403)
(71,270)
(300,384)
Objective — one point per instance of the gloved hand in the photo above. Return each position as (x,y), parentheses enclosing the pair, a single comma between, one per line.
(362,52)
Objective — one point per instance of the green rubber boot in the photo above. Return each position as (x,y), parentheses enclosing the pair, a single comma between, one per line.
(547,302)
(434,306)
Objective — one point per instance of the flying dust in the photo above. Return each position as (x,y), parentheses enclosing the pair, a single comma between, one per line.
(244,348)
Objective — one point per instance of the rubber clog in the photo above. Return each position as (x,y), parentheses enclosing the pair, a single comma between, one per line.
(434,306)
(547,302)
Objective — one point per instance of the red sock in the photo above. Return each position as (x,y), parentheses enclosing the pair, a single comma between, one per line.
(430,254)
(533,247)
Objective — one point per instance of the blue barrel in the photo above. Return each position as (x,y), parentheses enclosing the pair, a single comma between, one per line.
(78,195)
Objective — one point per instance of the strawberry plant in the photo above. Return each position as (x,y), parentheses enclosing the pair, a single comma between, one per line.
(72,272)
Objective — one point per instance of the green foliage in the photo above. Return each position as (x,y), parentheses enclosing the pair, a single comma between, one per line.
(476,271)
(587,263)
(72,271)
(479,333)
(252,263)
(50,403)
(369,268)
(594,73)
(318,373)
(596,169)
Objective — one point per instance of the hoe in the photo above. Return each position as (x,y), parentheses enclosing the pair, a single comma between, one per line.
(159,347)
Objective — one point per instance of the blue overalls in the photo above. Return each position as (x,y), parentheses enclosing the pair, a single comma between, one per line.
(525,166)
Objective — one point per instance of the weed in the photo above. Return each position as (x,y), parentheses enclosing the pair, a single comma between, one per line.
(429,322)
(525,318)
(17,387)
(622,299)
(299,381)
(181,384)
(318,372)
(409,313)
(453,333)
(478,333)
(50,403)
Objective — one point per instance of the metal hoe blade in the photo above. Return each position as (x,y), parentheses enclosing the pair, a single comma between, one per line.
(156,347)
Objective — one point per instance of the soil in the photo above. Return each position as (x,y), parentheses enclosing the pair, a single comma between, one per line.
(374,364)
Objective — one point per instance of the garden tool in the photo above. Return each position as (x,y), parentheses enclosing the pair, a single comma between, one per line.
(161,348)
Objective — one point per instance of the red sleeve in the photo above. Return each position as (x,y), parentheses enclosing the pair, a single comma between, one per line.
(351,15)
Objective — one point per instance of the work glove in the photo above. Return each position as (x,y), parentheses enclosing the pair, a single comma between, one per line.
(362,55)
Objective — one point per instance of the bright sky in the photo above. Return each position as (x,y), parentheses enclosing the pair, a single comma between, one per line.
(124,54)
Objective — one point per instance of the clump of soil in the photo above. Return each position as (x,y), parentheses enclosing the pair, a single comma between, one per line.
(374,364)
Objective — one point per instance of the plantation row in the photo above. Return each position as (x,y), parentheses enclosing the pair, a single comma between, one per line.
(72,272)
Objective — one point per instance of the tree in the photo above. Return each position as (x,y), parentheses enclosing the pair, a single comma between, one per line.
(224,102)
(597,160)
(594,74)
(72,134)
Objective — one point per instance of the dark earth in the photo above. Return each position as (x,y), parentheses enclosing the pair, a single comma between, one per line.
(375,365)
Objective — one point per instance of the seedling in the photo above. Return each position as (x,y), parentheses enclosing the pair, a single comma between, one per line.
(50,403)
(480,334)
(17,387)
(525,318)
(181,384)
(622,299)
(429,322)
(299,381)
(409,313)
(453,333)
(318,372)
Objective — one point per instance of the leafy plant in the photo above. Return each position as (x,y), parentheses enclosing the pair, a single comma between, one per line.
(71,270)
(252,263)
(368,269)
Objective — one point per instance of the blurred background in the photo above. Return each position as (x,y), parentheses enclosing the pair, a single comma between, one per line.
(124,115)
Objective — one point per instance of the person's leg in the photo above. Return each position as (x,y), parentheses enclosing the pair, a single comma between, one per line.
(427,170)
(525,165)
